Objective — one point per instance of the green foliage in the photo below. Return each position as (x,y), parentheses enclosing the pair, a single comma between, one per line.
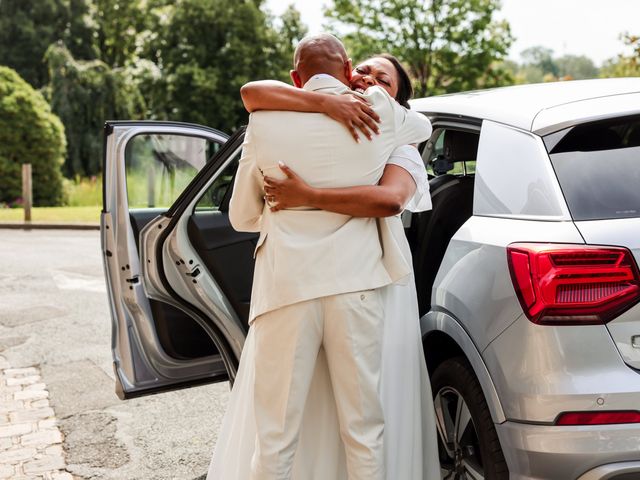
(28,27)
(118,24)
(206,50)
(84,95)
(29,133)
(576,67)
(540,65)
(624,65)
(540,58)
(81,192)
(448,45)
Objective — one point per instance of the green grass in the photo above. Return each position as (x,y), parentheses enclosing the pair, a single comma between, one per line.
(83,192)
(86,214)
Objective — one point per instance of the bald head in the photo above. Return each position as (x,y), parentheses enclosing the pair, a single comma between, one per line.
(321,53)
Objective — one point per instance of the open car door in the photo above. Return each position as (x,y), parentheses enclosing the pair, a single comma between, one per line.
(178,275)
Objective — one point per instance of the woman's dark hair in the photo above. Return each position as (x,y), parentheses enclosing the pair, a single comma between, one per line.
(405,89)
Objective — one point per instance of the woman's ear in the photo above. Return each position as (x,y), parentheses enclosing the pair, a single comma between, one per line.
(295,76)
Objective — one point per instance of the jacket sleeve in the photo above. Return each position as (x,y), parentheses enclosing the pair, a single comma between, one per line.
(411,127)
(247,201)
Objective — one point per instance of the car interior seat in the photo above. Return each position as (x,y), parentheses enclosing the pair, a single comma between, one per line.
(633,139)
(452,200)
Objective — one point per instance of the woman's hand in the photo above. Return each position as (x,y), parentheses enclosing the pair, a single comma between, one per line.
(289,192)
(353,112)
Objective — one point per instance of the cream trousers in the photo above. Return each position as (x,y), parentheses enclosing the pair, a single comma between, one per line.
(287,341)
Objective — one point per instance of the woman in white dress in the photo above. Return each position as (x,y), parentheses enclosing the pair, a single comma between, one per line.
(410,437)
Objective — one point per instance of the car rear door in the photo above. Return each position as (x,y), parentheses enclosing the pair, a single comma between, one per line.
(178,275)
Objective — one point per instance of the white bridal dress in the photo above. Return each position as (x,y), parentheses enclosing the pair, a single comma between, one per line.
(410,437)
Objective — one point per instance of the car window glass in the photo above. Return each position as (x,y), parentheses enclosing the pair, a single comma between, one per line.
(458,168)
(216,192)
(159,167)
(598,167)
(435,151)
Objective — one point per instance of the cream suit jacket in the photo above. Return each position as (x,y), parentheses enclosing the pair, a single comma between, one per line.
(305,253)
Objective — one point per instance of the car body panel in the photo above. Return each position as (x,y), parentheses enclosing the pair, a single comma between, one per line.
(541,371)
(624,232)
(561,116)
(473,282)
(514,177)
(519,105)
(566,453)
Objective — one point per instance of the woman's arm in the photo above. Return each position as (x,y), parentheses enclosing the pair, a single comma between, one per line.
(351,110)
(386,199)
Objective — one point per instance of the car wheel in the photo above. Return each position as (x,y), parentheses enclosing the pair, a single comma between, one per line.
(467,440)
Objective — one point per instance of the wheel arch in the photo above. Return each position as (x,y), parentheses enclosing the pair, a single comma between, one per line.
(443,337)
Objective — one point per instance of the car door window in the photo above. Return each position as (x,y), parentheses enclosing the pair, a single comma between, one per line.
(466,167)
(160,166)
(213,198)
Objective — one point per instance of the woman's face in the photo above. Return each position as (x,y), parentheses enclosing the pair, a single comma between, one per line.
(375,71)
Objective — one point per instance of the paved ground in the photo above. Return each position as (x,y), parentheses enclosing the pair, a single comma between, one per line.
(54,322)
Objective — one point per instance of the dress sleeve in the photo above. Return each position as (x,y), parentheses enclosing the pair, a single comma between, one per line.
(408,157)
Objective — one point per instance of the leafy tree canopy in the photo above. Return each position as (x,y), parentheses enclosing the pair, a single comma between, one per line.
(539,64)
(206,50)
(540,58)
(29,133)
(28,27)
(85,94)
(624,65)
(576,67)
(448,45)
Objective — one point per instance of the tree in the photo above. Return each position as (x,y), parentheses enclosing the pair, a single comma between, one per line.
(28,27)
(84,95)
(33,25)
(624,65)
(290,31)
(448,45)
(576,67)
(118,23)
(540,58)
(29,133)
(205,51)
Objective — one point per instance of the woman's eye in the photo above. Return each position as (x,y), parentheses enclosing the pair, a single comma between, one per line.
(384,82)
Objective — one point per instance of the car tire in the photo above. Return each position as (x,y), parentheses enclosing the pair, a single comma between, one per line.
(468,444)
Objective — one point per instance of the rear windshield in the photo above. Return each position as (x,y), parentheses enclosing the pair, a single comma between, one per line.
(598,167)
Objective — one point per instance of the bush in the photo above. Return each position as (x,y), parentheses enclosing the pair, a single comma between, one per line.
(29,133)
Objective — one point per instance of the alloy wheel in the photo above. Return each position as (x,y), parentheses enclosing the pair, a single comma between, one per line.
(460,457)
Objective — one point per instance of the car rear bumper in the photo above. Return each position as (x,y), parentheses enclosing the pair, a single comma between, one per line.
(609,452)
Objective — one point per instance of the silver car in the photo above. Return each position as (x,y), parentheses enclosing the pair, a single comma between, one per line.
(526,269)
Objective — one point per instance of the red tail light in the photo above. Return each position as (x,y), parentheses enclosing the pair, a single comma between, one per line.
(573,284)
(598,418)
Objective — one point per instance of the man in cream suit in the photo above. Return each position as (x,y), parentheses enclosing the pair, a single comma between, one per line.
(317,272)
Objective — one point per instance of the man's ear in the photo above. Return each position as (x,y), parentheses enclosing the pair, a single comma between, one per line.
(348,72)
(295,76)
